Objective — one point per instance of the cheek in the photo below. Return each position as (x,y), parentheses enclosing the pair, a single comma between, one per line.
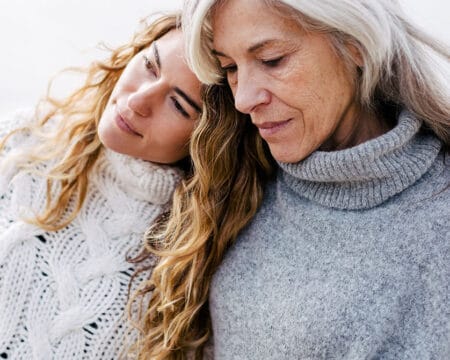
(175,138)
(178,144)
(180,140)
(300,87)
(340,80)
(105,121)
(325,95)
(128,80)
(185,134)
(118,89)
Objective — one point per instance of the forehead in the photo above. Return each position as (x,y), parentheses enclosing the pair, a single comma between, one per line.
(171,43)
(171,52)
(250,22)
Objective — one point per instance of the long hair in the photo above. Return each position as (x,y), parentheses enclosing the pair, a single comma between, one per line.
(401,67)
(231,166)
(73,140)
(232,163)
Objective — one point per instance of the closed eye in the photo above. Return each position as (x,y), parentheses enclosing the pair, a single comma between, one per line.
(179,107)
(149,65)
(229,69)
(272,62)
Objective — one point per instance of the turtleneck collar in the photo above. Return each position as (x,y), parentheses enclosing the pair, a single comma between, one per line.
(368,174)
(141,179)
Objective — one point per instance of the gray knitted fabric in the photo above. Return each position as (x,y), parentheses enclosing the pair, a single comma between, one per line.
(348,258)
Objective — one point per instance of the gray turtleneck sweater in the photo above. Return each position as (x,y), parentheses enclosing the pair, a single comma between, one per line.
(348,258)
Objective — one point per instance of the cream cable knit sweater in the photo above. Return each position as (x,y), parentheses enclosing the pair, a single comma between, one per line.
(62,294)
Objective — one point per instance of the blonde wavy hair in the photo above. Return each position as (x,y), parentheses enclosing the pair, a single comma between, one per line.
(232,164)
(74,141)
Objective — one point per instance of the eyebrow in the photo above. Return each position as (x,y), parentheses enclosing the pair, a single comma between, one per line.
(251,49)
(176,89)
(188,99)
(156,54)
(260,45)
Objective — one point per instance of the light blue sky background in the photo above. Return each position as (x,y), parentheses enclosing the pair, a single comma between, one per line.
(40,37)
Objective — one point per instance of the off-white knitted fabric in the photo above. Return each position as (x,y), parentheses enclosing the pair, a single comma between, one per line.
(62,294)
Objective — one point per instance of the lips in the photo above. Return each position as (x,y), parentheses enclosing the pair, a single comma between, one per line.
(124,124)
(267,129)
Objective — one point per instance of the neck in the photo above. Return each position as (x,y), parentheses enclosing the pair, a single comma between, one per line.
(359,127)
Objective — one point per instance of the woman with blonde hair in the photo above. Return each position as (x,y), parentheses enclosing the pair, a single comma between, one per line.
(347,254)
(79,183)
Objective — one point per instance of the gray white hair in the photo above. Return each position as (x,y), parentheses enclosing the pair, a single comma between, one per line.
(399,59)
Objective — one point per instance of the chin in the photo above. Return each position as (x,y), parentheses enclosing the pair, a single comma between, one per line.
(112,145)
(106,141)
(284,156)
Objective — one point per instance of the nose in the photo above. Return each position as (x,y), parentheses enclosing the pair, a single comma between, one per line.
(249,92)
(146,97)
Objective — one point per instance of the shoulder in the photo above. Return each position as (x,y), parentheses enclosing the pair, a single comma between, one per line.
(16,120)
(432,189)
(427,211)
(16,144)
(22,119)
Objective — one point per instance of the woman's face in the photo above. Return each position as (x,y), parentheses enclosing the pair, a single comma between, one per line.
(154,105)
(296,89)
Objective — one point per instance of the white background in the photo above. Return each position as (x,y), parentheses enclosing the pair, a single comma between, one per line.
(40,37)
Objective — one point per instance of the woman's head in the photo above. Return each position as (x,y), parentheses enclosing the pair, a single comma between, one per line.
(154,105)
(72,143)
(307,72)
(294,85)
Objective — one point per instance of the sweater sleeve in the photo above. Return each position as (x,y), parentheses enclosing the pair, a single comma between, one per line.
(12,121)
(18,119)
(15,120)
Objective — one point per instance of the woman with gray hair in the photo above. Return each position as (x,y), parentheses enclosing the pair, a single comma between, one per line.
(347,254)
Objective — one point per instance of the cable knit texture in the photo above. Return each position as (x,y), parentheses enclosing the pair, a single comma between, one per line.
(63,294)
(348,258)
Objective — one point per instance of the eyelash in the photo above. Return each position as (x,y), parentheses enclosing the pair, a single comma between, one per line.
(229,69)
(272,63)
(179,108)
(149,65)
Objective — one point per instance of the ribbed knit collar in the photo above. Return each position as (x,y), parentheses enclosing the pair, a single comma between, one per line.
(368,174)
(141,179)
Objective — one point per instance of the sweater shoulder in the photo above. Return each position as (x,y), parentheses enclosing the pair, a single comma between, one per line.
(432,191)
(19,119)
(16,120)
(424,212)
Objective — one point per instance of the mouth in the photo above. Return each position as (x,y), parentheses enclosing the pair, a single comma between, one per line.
(267,129)
(124,124)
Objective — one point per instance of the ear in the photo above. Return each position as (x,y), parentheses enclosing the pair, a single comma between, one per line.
(355,54)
